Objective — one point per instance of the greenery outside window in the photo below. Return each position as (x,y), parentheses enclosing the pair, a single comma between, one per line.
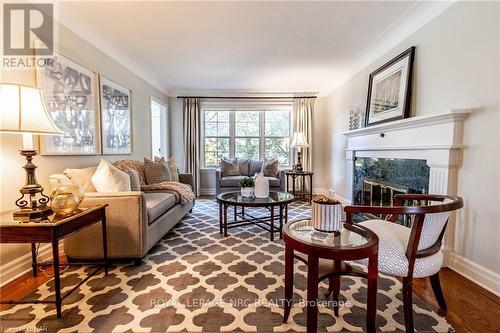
(246,134)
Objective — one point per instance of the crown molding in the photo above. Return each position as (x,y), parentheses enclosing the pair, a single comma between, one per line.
(420,14)
(73,23)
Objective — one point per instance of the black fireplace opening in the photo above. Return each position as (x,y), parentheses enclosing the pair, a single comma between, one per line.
(377,180)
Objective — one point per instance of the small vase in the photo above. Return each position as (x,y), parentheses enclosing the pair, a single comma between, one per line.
(261,186)
(326,215)
(66,198)
(247,192)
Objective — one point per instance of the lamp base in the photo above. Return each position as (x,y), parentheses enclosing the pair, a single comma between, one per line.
(32,203)
(32,214)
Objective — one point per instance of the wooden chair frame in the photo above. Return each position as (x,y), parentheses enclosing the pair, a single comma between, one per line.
(412,252)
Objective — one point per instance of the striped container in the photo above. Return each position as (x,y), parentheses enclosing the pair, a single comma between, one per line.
(326,215)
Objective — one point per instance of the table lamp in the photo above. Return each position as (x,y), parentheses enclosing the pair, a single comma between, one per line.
(22,111)
(299,142)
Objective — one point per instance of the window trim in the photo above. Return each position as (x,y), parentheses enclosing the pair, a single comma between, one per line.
(262,130)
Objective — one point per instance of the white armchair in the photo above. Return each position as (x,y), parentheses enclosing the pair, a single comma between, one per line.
(411,252)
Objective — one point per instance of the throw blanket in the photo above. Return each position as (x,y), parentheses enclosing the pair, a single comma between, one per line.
(183,190)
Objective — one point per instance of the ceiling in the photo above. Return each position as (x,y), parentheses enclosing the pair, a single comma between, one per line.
(237,46)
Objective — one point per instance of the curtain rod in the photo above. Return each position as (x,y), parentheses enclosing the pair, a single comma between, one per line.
(247,97)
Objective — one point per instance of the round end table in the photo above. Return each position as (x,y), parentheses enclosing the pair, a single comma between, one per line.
(325,254)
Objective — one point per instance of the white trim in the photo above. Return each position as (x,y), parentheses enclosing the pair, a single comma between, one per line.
(21,265)
(478,274)
(207,191)
(417,16)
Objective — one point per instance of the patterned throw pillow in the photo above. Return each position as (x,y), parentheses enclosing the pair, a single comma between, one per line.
(156,172)
(135,182)
(229,167)
(131,164)
(172,167)
(271,168)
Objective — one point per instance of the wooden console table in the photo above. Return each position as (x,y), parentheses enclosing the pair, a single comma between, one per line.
(52,230)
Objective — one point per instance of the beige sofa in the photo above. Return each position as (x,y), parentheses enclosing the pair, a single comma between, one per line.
(136,221)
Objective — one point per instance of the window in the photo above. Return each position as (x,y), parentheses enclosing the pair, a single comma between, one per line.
(246,134)
(158,129)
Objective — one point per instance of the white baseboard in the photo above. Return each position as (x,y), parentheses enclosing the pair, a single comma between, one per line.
(207,191)
(478,274)
(337,197)
(19,266)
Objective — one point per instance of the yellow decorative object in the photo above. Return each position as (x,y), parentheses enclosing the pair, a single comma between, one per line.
(65,199)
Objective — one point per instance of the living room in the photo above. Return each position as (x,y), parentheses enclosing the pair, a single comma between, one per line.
(202,152)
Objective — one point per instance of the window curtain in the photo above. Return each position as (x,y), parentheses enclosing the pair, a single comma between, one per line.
(302,122)
(191,120)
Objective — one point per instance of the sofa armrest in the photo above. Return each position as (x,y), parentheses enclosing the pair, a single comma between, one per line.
(187,178)
(126,221)
(218,177)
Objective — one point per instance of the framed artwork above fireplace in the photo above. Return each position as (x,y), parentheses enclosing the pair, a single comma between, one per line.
(389,90)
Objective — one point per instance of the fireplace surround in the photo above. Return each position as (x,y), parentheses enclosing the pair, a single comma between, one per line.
(436,139)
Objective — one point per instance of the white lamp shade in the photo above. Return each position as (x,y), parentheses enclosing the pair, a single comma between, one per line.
(299,140)
(22,111)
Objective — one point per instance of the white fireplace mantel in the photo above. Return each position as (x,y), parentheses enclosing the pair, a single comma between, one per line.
(436,138)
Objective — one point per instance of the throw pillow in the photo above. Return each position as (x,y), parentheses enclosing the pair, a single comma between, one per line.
(244,166)
(135,181)
(271,168)
(255,167)
(229,167)
(156,172)
(174,171)
(172,167)
(108,178)
(131,164)
(82,177)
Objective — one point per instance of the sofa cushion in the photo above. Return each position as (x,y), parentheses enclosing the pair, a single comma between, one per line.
(274,182)
(156,171)
(244,166)
(229,167)
(231,181)
(271,168)
(255,167)
(158,203)
(108,178)
(82,177)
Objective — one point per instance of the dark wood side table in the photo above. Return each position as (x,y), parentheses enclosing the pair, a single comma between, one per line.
(302,193)
(325,254)
(241,218)
(52,230)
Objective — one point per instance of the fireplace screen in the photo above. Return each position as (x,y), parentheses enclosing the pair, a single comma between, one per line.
(378,180)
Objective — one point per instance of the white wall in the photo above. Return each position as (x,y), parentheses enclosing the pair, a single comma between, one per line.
(456,65)
(11,172)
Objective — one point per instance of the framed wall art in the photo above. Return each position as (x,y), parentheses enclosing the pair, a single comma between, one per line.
(71,98)
(116,118)
(389,90)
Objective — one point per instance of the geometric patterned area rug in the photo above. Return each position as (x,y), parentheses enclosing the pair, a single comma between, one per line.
(195,280)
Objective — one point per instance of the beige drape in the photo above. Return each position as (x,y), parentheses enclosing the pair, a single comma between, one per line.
(302,122)
(191,117)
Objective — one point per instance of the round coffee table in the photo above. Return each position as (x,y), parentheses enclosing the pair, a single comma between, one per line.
(324,253)
(241,218)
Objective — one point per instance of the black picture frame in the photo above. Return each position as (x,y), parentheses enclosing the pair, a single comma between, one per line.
(406,104)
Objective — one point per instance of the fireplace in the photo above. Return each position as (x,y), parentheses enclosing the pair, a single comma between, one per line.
(378,180)
(433,139)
